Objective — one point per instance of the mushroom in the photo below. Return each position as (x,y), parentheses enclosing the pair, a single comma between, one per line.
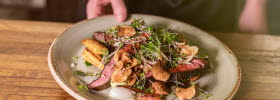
(159,73)
(131,79)
(126,31)
(120,75)
(159,88)
(118,55)
(125,57)
(118,66)
(134,62)
(189,51)
(185,93)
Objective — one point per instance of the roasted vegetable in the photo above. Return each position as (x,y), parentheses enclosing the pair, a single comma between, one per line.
(89,57)
(95,47)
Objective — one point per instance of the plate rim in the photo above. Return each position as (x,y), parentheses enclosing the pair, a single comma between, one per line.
(80,97)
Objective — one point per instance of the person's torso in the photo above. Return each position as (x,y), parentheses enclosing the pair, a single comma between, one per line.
(212,15)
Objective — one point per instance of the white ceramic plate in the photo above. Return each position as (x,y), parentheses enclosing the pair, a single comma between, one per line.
(223,83)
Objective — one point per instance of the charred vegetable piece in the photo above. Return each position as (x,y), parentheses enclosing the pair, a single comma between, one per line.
(159,73)
(95,47)
(159,88)
(185,93)
(89,57)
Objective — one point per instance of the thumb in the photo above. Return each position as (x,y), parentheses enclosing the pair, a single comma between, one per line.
(119,9)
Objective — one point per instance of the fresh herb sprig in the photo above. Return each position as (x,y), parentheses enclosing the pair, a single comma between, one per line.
(87,63)
(137,22)
(83,74)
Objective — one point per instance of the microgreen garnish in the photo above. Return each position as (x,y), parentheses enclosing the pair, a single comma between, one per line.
(83,74)
(88,63)
(203,93)
(137,22)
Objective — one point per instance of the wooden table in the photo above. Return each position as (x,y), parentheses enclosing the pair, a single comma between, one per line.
(25,74)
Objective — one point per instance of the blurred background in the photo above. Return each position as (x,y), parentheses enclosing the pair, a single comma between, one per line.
(74,11)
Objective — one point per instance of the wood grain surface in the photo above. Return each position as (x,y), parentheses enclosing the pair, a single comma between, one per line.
(24,72)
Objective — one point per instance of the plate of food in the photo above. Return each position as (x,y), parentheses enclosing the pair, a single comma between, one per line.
(145,58)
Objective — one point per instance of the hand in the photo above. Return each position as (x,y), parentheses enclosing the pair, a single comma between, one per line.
(253,17)
(95,8)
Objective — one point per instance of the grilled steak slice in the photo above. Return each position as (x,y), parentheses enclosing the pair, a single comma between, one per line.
(101,36)
(195,64)
(103,82)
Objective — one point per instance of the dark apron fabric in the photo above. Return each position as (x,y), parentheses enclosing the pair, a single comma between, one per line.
(210,15)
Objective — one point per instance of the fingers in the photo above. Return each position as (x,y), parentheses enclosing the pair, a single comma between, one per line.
(94,8)
(253,17)
(119,9)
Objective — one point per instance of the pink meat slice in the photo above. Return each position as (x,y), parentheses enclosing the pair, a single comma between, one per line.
(195,64)
(103,81)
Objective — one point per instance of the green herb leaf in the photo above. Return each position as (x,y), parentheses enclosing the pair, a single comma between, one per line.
(137,22)
(79,73)
(142,75)
(88,63)
(140,87)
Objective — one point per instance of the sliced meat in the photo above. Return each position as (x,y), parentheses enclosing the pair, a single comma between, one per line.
(195,64)
(129,48)
(101,36)
(105,77)
(179,79)
(145,34)
(159,88)
(103,82)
